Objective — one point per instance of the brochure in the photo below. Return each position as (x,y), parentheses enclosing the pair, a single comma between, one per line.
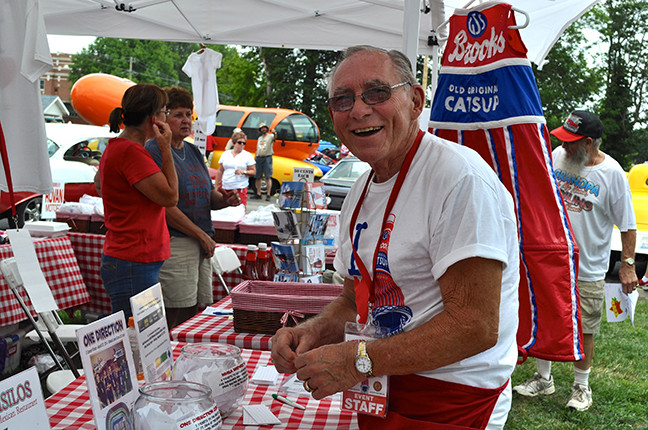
(109,371)
(317,224)
(291,193)
(286,277)
(23,406)
(316,195)
(286,225)
(313,259)
(152,334)
(284,256)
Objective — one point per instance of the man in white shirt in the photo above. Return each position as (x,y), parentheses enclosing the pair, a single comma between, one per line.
(596,194)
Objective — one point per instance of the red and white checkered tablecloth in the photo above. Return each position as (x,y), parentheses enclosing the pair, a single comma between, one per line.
(219,329)
(88,249)
(70,408)
(61,271)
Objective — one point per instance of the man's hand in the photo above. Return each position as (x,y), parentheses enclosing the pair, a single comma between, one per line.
(287,344)
(628,278)
(329,369)
(208,245)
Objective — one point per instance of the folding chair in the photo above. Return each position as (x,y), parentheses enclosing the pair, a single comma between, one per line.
(225,260)
(46,328)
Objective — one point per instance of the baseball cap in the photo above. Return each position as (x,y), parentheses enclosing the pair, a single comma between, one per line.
(579,124)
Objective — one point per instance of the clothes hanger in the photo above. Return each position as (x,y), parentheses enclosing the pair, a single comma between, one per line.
(513,27)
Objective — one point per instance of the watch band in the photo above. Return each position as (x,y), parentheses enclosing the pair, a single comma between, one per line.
(629,261)
(363,355)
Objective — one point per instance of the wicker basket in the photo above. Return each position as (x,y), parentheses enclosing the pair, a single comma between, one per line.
(225,231)
(79,223)
(260,305)
(251,234)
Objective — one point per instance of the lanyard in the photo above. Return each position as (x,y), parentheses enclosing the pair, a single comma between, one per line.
(364,287)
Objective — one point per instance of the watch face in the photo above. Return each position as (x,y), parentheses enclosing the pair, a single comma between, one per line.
(363,364)
(630,261)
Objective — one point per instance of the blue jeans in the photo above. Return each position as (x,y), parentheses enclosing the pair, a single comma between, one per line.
(123,279)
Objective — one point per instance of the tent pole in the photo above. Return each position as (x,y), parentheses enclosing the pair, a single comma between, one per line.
(411,25)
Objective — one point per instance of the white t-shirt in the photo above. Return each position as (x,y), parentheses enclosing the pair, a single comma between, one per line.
(201,68)
(230,163)
(451,207)
(24,57)
(596,200)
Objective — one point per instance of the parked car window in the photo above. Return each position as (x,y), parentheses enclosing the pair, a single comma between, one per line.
(348,170)
(52,147)
(251,124)
(226,122)
(298,128)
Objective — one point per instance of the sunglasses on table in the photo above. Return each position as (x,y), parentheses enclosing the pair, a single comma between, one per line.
(372,96)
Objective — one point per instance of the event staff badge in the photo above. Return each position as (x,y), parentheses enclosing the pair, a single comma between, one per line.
(369,397)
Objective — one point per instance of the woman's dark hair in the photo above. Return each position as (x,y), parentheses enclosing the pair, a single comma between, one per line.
(139,102)
(178,98)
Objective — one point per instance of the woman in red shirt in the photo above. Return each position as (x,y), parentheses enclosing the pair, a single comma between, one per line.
(135,193)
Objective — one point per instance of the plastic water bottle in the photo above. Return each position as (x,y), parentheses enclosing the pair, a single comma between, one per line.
(262,262)
(132,337)
(250,271)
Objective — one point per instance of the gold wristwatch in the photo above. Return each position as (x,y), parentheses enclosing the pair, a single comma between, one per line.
(363,363)
(629,261)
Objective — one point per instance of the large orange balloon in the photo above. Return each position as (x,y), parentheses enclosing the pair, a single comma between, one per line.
(95,95)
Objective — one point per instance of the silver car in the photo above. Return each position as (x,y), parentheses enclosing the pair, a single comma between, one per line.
(338,181)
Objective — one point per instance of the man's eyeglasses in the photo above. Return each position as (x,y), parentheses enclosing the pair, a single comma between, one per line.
(372,96)
(242,142)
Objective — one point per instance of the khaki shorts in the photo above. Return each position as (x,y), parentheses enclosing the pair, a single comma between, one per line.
(592,296)
(186,277)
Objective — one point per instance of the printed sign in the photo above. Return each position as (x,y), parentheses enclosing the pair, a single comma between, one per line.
(152,334)
(22,405)
(53,201)
(303,174)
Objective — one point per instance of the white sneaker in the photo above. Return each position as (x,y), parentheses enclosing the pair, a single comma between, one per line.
(536,385)
(580,398)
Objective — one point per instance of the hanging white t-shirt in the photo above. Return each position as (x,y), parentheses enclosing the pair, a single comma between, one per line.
(24,58)
(201,68)
(230,163)
(596,200)
(451,207)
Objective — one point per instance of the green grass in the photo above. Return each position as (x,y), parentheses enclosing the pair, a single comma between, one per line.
(619,381)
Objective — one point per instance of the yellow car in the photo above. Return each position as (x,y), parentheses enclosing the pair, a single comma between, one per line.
(638,179)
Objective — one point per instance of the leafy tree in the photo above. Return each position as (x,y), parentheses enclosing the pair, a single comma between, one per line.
(624,26)
(296,79)
(147,61)
(567,82)
(160,63)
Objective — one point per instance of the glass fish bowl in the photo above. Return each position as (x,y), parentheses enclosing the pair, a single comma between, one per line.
(218,366)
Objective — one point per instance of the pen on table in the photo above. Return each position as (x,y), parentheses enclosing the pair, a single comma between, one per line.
(221,313)
(288,402)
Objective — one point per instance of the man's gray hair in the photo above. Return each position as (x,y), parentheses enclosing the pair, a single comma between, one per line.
(597,142)
(402,64)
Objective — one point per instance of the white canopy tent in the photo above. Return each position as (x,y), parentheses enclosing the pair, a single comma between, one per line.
(310,24)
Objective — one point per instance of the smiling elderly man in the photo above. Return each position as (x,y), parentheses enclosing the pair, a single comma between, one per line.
(429,252)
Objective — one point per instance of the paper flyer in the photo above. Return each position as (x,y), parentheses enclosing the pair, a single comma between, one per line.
(29,268)
(109,371)
(152,334)
(23,406)
(618,305)
(290,195)
(284,256)
(286,225)
(313,259)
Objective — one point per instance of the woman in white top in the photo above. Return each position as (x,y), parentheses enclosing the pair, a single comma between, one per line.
(235,168)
